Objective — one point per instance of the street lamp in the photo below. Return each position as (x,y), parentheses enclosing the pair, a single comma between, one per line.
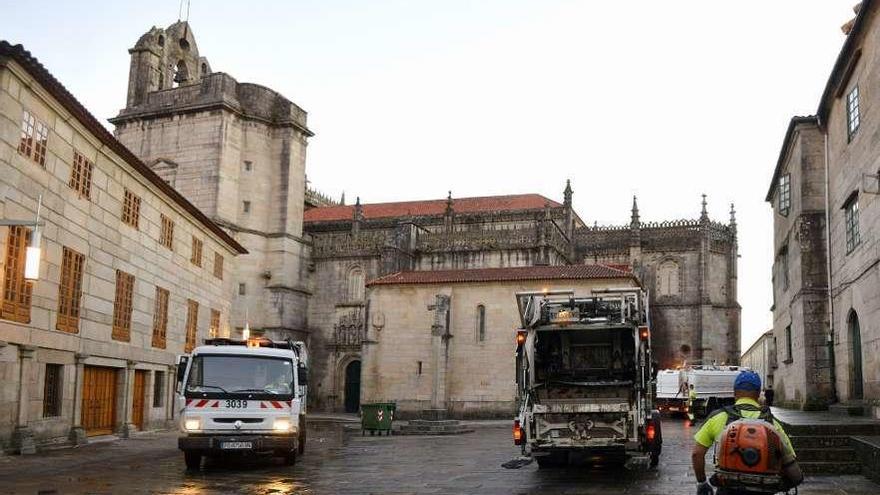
(32,253)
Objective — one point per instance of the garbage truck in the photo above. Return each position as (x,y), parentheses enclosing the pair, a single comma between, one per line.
(242,397)
(712,383)
(585,378)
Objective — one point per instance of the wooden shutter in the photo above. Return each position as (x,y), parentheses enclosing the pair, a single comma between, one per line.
(192,318)
(218,266)
(16,305)
(122,306)
(70,290)
(166,237)
(160,318)
(215,323)
(196,257)
(131,209)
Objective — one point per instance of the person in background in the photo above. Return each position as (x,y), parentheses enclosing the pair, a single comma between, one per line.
(768,395)
(692,397)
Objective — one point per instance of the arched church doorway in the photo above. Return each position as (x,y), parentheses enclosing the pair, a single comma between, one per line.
(353,387)
(856,386)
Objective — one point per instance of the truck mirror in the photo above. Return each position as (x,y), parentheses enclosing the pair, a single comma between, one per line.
(182,361)
(303,375)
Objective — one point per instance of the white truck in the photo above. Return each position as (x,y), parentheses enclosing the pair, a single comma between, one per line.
(713,386)
(242,397)
(584,378)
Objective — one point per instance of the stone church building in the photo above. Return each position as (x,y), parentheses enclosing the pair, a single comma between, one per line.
(237,151)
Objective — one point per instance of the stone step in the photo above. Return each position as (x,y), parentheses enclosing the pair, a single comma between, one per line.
(831,468)
(826,454)
(426,422)
(449,430)
(428,428)
(849,408)
(433,414)
(818,442)
(841,428)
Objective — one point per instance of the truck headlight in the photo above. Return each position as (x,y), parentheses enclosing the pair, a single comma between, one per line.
(281,425)
(191,424)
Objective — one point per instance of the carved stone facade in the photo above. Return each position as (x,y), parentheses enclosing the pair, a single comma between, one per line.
(688,266)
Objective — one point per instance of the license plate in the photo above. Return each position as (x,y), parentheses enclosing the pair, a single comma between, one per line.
(235,403)
(673,409)
(236,445)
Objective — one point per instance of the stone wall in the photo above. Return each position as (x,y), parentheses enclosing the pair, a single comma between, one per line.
(404,363)
(93,227)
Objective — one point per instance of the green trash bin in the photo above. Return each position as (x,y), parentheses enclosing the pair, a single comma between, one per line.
(377,417)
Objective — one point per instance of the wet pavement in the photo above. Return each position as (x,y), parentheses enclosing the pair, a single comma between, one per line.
(351,464)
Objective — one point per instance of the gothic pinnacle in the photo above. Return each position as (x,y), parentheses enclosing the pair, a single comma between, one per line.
(634,220)
(732,216)
(704,215)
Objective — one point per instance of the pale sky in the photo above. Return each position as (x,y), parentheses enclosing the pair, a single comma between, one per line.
(410,99)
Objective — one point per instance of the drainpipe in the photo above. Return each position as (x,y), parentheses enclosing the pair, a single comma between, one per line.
(830,336)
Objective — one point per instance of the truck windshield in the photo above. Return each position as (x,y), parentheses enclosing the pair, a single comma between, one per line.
(240,374)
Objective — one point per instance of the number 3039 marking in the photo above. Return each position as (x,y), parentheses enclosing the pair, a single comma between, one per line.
(236,403)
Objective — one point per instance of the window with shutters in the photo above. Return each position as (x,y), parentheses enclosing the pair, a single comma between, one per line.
(784,194)
(34,136)
(70,290)
(160,317)
(214,331)
(851,220)
(131,208)
(122,306)
(52,390)
(158,388)
(196,257)
(853,117)
(192,321)
(81,175)
(166,234)
(218,266)
(16,289)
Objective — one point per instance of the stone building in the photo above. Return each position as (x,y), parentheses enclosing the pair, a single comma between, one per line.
(761,358)
(235,150)
(688,267)
(238,152)
(824,195)
(444,339)
(131,273)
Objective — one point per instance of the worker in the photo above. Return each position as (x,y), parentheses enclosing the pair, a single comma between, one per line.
(692,397)
(747,391)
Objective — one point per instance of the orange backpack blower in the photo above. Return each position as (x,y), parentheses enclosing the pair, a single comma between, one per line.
(749,455)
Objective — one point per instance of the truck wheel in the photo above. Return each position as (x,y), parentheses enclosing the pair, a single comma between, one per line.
(301,441)
(193,460)
(290,459)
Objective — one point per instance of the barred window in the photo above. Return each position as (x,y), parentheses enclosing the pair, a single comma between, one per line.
(246,206)
(160,318)
(122,306)
(853,119)
(242,288)
(70,290)
(34,136)
(131,209)
(214,330)
(851,218)
(788,345)
(196,257)
(158,388)
(166,234)
(784,194)
(192,321)
(17,290)
(81,175)
(783,266)
(52,383)
(218,266)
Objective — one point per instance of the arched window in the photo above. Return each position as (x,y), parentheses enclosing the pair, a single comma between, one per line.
(481,323)
(856,389)
(355,284)
(668,279)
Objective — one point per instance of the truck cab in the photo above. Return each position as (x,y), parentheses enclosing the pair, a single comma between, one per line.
(242,397)
(585,378)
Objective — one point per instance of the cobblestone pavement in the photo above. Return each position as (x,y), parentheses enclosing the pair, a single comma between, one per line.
(468,463)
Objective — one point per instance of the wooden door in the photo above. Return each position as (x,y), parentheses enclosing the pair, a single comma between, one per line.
(99,400)
(137,404)
(353,387)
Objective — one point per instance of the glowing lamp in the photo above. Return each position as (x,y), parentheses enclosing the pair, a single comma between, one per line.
(651,432)
(517,433)
(32,257)
(520,338)
(644,333)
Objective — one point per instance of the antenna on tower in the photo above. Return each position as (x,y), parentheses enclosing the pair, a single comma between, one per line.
(180,11)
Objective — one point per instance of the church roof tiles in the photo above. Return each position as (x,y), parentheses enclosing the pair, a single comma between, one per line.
(431,207)
(509,274)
